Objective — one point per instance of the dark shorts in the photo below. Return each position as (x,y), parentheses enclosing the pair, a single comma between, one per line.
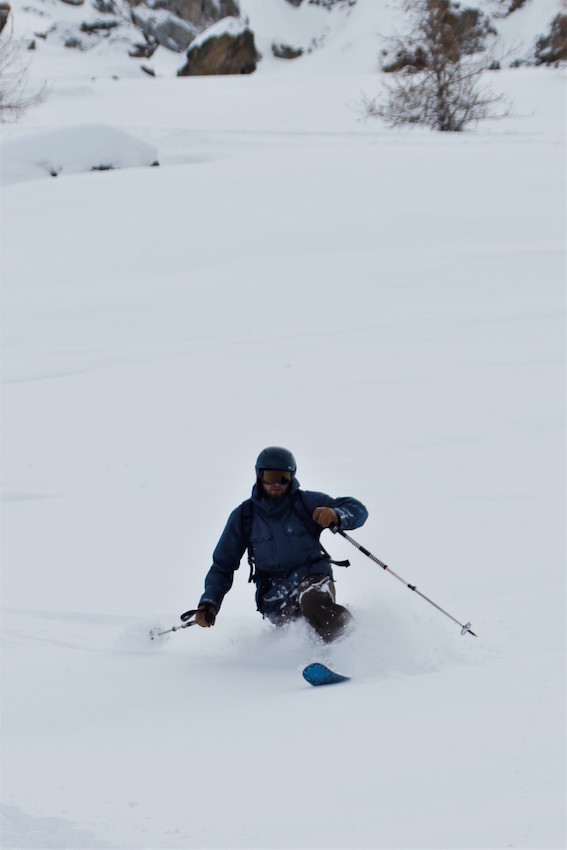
(277,597)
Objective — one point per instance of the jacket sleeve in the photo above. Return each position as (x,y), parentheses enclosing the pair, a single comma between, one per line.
(226,559)
(351,512)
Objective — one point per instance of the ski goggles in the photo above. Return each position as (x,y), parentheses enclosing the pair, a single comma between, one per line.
(275,476)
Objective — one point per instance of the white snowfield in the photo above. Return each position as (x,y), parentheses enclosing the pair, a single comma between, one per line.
(387,304)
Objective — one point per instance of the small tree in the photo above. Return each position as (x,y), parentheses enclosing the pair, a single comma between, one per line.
(15,93)
(437,82)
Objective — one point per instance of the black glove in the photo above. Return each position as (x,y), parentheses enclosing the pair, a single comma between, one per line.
(206,615)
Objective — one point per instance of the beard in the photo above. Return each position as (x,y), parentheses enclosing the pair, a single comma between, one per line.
(275,497)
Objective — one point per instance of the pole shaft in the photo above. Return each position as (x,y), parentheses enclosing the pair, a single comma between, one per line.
(175,628)
(384,566)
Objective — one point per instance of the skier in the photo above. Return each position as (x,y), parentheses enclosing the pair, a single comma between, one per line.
(280,525)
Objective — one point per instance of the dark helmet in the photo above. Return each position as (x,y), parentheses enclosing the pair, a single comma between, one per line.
(274,457)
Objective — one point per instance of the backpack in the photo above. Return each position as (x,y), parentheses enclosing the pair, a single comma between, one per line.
(302,512)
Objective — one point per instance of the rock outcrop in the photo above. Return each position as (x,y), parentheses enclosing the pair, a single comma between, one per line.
(552,49)
(225,48)
(162,27)
(4,14)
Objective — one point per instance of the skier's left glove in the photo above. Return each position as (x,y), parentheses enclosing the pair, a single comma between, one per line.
(206,615)
(325,517)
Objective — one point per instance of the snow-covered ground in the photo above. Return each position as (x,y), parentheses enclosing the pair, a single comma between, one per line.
(390,306)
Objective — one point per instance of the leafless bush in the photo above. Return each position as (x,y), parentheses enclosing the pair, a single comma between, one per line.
(446,99)
(16,93)
(442,88)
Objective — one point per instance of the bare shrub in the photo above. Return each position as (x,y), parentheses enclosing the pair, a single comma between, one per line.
(440,87)
(16,93)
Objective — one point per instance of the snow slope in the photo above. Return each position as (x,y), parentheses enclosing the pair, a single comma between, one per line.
(390,305)
(347,38)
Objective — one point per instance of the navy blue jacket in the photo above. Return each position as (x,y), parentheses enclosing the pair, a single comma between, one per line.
(283,538)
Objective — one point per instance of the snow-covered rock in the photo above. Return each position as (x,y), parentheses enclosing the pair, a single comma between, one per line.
(165,28)
(72,150)
(227,47)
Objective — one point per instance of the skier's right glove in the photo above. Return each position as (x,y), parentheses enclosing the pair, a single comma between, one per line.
(206,615)
(325,517)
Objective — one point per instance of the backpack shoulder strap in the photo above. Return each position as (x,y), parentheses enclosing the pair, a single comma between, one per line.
(302,511)
(246,520)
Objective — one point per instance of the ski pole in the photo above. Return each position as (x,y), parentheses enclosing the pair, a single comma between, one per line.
(465,629)
(188,620)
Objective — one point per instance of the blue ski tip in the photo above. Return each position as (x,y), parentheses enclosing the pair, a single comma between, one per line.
(318,674)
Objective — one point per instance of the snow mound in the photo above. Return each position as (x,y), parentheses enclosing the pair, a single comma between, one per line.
(72,150)
(27,831)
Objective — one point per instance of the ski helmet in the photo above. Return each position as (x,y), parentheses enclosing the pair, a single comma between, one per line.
(274,457)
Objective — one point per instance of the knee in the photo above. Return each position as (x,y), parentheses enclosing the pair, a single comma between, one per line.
(315,585)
